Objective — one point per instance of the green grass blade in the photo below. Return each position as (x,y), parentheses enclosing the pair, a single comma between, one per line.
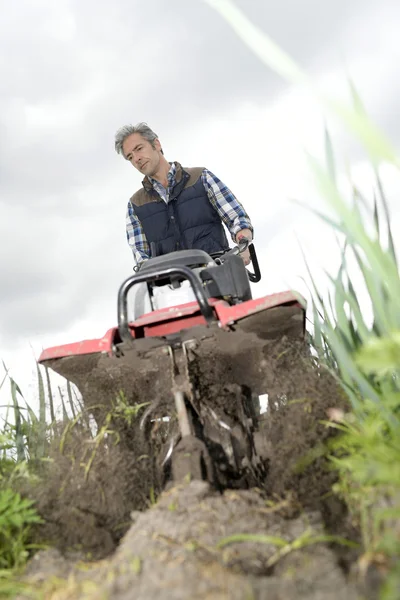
(32,416)
(314,287)
(385,205)
(329,156)
(19,436)
(371,137)
(2,382)
(381,264)
(348,368)
(42,425)
(317,335)
(252,537)
(50,395)
(376,217)
(373,284)
(82,411)
(336,226)
(70,399)
(356,98)
(64,410)
(356,311)
(260,44)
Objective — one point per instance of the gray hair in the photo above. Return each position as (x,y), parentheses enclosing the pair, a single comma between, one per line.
(123,132)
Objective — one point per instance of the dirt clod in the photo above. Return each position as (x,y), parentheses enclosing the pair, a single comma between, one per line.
(185,547)
(105,499)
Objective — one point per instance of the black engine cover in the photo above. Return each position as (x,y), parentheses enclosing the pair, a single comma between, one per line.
(228,280)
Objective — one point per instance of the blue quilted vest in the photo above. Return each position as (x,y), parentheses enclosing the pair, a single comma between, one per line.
(188,220)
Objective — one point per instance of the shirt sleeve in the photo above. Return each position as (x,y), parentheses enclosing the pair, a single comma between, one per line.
(135,236)
(226,204)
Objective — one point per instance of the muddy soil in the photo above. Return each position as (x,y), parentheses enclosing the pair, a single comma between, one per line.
(186,547)
(116,534)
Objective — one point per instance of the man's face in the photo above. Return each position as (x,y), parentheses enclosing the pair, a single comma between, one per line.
(143,156)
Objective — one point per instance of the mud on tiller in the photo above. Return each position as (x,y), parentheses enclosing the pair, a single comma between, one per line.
(193,344)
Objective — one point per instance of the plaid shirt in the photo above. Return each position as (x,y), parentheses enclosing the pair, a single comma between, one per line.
(225,203)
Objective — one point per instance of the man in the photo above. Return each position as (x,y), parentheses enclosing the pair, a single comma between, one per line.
(177,207)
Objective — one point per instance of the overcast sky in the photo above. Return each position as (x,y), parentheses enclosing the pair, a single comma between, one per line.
(72,72)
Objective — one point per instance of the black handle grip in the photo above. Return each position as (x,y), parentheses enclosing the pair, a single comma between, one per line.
(240,247)
(243,245)
(256,276)
(153,275)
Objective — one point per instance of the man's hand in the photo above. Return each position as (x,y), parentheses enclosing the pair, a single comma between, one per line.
(244,233)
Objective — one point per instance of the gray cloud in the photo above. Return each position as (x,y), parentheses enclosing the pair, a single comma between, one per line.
(72,73)
(168,63)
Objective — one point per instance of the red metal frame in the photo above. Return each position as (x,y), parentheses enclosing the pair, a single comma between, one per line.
(172,320)
(103,344)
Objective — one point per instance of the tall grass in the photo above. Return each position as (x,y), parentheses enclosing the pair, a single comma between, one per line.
(25,438)
(32,432)
(367,355)
(361,349)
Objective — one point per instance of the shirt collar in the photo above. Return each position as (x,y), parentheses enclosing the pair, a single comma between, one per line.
(171,177)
